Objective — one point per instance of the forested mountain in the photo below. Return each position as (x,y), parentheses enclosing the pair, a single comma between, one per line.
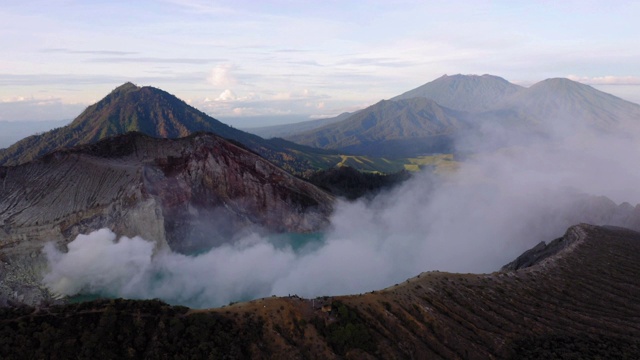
(390,128)
(156,113)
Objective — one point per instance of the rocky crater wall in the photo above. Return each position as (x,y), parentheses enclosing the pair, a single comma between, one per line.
(175,192)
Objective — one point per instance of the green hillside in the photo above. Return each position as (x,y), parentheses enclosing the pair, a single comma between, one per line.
(392,129)
(157,113)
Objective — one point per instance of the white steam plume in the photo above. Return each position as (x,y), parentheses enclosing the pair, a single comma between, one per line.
(496,205)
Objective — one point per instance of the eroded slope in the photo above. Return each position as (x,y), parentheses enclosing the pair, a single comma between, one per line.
(580,302)
(188,193)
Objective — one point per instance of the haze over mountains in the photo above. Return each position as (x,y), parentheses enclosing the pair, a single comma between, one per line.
(428,119)
(557,100)
(467,104)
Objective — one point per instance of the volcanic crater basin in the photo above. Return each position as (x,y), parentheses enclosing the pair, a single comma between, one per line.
(187,194)
(580,301)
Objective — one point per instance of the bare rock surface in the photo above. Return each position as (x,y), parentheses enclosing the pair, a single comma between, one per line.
(544,253)
(579,303)
(186,193)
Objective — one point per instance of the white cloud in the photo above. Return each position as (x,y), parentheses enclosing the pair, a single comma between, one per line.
(30,108)
(15,99)
(323,116)
(221,76)
(283,96)
(359,57)
(258,111)
(227,95)
(266,103)
(298,95)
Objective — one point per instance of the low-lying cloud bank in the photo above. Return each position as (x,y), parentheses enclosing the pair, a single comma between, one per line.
(498,204)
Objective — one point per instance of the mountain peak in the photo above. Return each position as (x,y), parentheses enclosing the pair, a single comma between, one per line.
(563,100)
(127,108)
(472,93)
(469,77)
(559,83)
(128,85)
(156,113)
(125,88)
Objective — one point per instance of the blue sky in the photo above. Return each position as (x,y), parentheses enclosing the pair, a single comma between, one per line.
(290,60)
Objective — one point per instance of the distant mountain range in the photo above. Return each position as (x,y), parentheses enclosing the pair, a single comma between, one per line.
(428,118)
(390,128)
(421,121)
(564,100)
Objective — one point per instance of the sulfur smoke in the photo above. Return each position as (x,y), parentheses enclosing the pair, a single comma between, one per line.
(503,199)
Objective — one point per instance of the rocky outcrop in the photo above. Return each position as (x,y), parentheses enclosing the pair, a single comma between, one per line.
(188,194)
(544,252)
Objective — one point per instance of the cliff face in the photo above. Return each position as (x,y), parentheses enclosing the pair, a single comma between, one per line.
(186,193)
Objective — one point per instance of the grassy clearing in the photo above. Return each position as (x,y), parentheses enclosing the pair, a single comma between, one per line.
(441,163)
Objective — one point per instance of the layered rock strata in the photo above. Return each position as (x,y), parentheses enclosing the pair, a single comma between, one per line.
(188,194)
